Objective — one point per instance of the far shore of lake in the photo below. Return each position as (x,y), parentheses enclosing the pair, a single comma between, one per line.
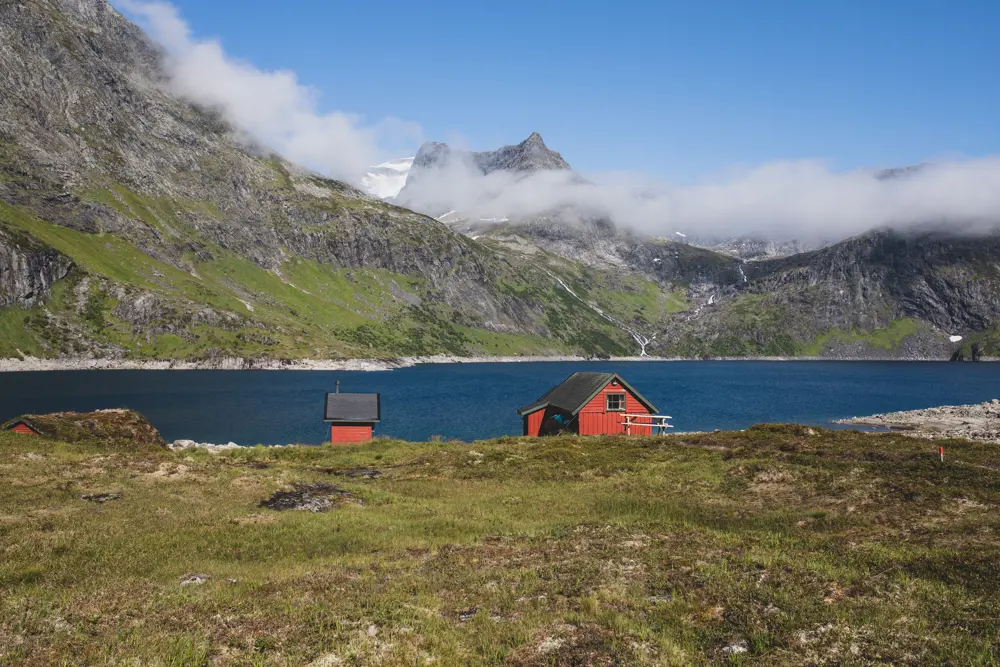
(34,364)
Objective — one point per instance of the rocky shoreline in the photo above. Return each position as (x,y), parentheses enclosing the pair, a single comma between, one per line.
(980,422)
(34,364)
(239,363)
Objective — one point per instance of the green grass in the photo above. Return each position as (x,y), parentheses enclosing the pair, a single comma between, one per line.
(627,297)
(806,546)
(889,338)
(501,343)
(751,325)
(15,335)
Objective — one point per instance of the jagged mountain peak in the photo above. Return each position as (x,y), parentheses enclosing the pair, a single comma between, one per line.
(534,139)
(530,155)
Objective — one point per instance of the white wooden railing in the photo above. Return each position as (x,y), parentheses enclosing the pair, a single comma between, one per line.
(657,423)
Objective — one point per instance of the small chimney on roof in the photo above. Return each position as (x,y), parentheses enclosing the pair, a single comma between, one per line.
(337,387)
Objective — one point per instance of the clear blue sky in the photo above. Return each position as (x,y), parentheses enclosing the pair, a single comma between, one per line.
(676,89)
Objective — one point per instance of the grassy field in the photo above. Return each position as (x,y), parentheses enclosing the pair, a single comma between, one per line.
(778,545)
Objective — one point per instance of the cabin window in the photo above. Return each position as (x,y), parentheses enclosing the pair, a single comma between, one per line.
(616,402)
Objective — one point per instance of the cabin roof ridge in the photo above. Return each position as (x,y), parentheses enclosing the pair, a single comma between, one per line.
(576,391)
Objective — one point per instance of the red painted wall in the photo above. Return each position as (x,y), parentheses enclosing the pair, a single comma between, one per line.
(348,433)
(595,421)
(23,429)
(533,422)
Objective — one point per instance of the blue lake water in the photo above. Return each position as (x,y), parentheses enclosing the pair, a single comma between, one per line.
(474,401)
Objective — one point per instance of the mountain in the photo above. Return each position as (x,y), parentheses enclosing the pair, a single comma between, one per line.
(387,179)
(438,170)
(135,224)
(528,156)
(882,294)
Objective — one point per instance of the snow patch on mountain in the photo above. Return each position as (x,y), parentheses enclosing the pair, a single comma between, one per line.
(387,179)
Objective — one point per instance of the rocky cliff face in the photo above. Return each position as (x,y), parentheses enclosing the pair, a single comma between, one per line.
(28,269)
(950,282)
(882,294)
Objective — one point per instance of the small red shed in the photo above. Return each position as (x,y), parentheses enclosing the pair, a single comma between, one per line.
(593,404)
(22,427)
(352,417)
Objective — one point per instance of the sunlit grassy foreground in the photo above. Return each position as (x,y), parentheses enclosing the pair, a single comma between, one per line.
(778,545)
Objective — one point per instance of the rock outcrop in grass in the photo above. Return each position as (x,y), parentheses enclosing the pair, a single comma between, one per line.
(120,429)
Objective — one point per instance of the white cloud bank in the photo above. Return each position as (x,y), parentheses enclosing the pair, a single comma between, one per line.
(273,108)
(783,200)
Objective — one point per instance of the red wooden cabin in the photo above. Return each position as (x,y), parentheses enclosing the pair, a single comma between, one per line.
(22,427)
(592,404)
(352,417)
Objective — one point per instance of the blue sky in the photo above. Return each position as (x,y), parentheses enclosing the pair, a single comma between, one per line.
(678,90)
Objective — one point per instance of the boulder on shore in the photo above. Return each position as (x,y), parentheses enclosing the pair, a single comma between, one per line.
(125,429)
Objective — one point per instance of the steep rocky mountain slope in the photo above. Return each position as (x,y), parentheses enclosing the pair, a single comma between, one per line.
(881,294)
(133,223)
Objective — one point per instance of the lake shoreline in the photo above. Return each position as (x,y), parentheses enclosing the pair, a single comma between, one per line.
(977,422)
(34,364)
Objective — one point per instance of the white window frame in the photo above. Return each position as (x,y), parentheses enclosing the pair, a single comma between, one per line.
(607,401)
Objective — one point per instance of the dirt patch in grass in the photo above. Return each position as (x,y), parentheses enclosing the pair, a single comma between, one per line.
(576,645)
(169,471)
(101,497)
(357,473)
(319,497)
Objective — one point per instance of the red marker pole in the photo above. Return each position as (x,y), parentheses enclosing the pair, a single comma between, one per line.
(941,452)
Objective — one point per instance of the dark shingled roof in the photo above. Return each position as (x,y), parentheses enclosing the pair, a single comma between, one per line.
(353,408)
(578,390)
